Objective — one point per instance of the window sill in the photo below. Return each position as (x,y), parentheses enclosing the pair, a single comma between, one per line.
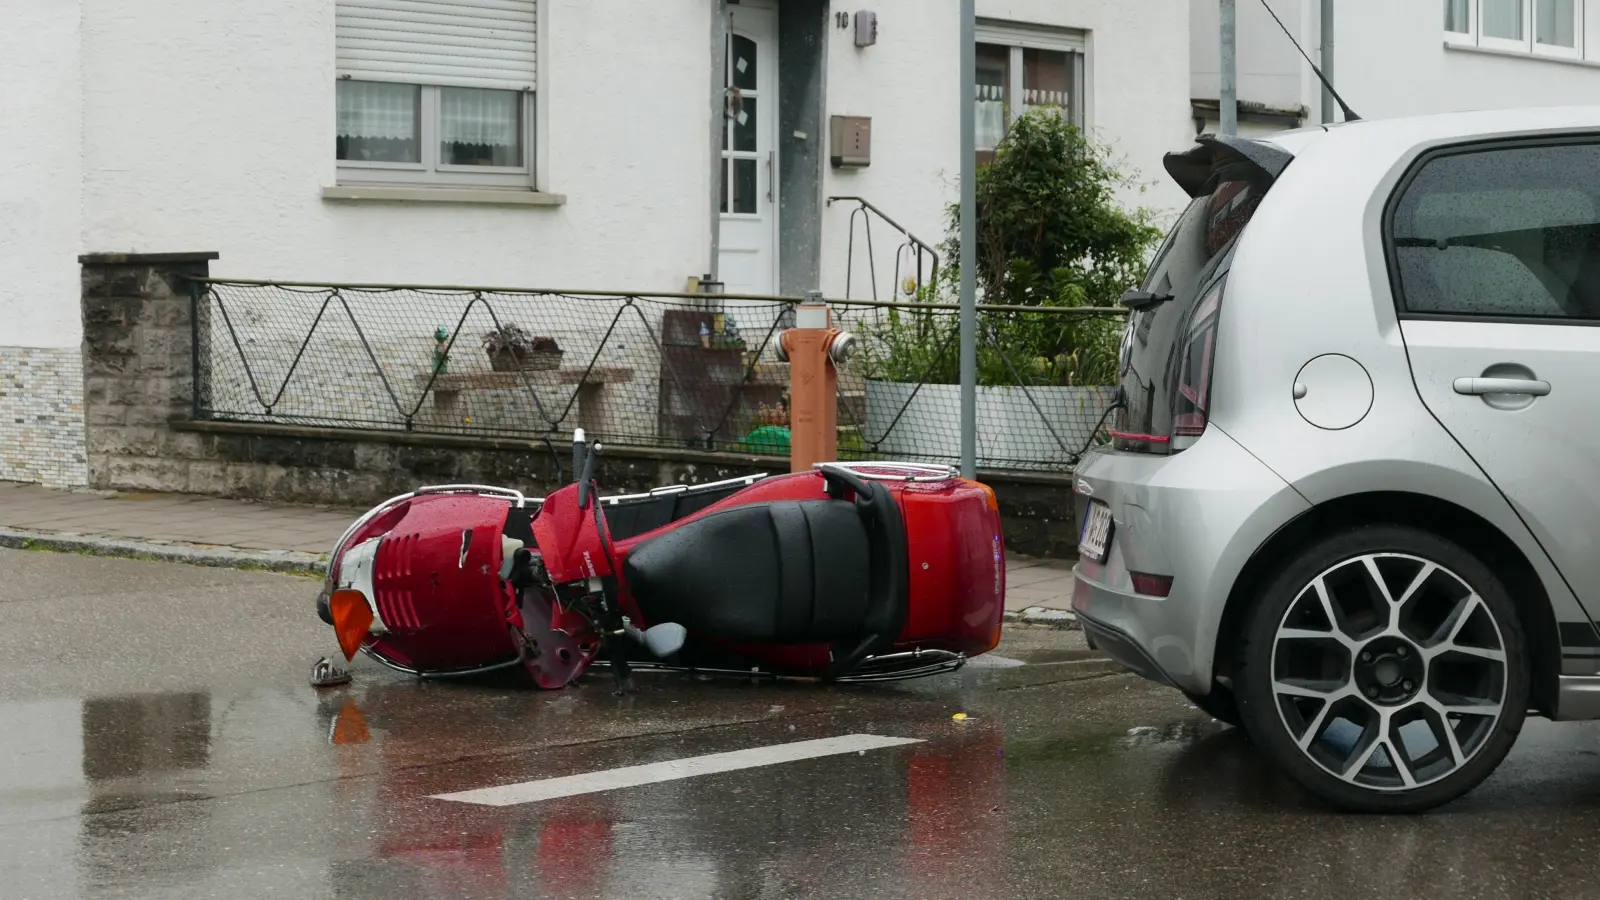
(384,193)
(1521,54)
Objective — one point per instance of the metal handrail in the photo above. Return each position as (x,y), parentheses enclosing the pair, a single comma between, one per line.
(915,245)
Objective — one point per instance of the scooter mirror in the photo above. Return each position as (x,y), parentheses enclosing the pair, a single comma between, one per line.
(665,639)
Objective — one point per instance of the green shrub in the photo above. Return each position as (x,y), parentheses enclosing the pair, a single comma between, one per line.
(1050,235)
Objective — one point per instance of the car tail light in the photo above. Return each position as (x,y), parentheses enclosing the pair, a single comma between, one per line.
(1151,585)
(1191,405)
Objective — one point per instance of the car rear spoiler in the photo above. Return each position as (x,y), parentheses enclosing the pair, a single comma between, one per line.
(1219,157)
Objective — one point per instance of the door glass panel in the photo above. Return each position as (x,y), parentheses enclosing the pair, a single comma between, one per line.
(1046,79)
(744,185)
(1513,232)
(744,127)
(742,62)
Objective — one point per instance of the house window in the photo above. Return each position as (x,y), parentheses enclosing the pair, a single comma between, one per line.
(1023,68)
(1543,27)
(436,92)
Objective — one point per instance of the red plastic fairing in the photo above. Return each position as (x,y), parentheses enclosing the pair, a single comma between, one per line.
(958,568)
(439,591)
(569,538)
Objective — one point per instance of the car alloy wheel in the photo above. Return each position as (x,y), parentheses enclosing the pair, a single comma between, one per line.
(1387,679)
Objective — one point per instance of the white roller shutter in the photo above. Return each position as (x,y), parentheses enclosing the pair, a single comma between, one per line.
(454,43)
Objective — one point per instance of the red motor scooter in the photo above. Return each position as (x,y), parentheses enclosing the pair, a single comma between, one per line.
(851,572)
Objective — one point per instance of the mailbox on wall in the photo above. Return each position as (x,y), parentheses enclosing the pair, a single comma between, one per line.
(851,141)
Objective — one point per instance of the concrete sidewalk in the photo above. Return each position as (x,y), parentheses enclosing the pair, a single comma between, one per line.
(212,531)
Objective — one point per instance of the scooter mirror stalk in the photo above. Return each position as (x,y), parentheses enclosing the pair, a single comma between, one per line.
(580,450)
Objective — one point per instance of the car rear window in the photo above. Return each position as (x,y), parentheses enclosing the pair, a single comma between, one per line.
(1189,260)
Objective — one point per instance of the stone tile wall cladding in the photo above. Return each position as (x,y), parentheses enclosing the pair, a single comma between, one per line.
(41,416)
(139,402)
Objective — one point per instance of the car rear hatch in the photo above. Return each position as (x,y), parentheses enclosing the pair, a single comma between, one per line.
(1167,349)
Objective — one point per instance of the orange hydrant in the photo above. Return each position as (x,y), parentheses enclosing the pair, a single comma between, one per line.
(814,349)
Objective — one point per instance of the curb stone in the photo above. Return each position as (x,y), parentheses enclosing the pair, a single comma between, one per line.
(282,561)
(1043,615)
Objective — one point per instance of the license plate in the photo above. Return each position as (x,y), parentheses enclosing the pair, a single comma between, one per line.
(1094,544)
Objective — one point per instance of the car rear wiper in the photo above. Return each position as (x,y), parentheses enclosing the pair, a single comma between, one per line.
(1143,299)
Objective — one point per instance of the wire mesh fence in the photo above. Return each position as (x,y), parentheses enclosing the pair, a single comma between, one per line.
(675,371)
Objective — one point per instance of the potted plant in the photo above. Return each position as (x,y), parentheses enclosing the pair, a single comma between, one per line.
(512,348)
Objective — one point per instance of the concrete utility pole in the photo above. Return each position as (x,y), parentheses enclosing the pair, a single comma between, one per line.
(1229,100)
(1328,106)
(969,241)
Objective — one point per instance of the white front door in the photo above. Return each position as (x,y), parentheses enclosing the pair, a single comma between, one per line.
(747,258)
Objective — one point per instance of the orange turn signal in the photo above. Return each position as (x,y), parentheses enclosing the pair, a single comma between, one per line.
(352,619)
(988,495)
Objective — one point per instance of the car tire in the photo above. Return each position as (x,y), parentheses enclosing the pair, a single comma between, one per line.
(1219,704)
(1384,668)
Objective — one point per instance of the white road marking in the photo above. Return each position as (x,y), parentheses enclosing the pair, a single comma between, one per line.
(653,773)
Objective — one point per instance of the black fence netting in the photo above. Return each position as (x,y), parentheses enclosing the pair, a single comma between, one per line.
(640,370)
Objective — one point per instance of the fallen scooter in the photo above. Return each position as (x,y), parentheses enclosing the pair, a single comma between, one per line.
(851,572)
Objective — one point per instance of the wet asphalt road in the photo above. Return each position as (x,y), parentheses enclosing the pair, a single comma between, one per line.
(158,739)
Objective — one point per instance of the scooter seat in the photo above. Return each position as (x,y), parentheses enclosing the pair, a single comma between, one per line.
(782,572)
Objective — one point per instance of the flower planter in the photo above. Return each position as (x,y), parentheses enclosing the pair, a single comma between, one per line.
(536,360)
(1018,428)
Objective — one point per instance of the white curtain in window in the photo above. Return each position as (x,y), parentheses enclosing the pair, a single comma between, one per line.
(1455,16)
(478,117)
(1503,19)
(991,116)
(1556,23)
(369,109)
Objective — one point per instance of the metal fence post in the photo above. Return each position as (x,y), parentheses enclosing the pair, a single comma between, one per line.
(969,241)
(1228,101)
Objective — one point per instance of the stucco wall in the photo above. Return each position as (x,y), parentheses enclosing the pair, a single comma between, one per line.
(211,126)
(1390,60)
(1269,68)
(1405,68)
(39,193)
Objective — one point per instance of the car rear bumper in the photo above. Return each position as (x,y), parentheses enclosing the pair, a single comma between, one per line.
(1196,517)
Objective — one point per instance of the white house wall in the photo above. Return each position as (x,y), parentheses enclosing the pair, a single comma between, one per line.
(1268,66)
(218,134)
(1390,60)
(41,381)
(1406,69)
(1137,73)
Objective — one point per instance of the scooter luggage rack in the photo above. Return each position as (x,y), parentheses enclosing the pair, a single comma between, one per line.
(515,497)
(745,480)
(874,669)
(915,473)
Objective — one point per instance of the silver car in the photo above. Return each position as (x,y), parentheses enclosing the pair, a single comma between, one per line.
(1352,498)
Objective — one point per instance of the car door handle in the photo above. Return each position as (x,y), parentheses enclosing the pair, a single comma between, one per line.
(1477,387)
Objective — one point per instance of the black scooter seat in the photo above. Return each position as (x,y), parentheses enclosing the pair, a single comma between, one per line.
(784,572)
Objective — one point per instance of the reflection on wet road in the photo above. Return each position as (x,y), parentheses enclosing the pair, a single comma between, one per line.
(188,758)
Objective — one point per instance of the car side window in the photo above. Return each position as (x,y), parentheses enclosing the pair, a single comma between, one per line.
(1502,232)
